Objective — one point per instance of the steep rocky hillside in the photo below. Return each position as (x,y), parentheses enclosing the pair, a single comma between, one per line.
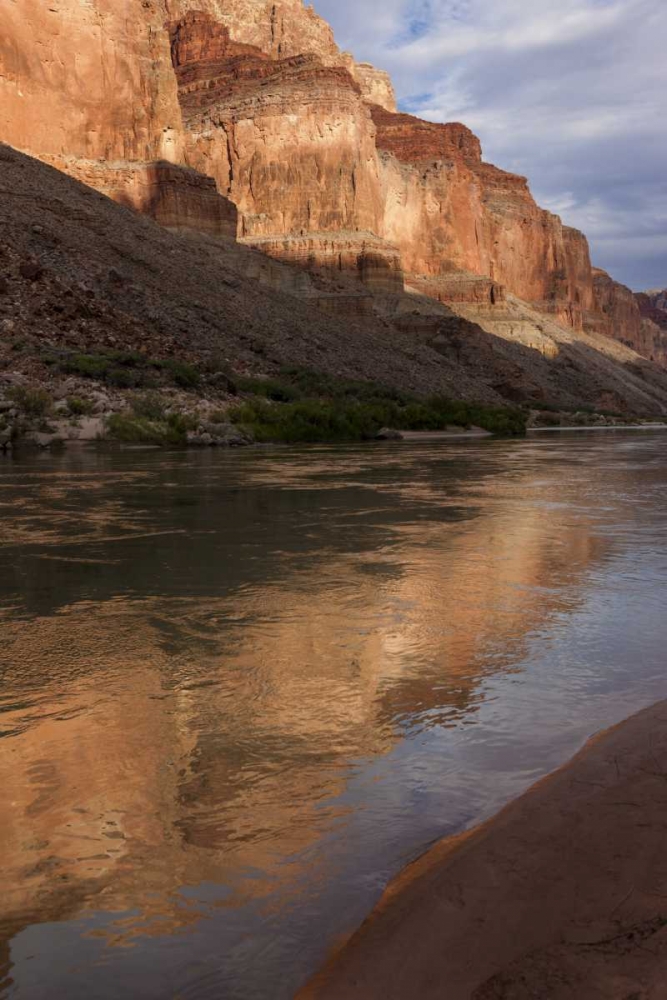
(360,239)
(80,273)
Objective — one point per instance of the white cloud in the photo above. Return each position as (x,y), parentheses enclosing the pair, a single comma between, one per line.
(570,93)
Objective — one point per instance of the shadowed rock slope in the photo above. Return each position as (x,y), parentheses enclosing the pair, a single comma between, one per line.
(80,272)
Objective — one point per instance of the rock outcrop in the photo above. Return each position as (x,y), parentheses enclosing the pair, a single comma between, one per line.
(653,306)
(285,29)
(653,309)
(617,311)
(90,89)
(636,320)
(243,118)
(290,142)
(452,214)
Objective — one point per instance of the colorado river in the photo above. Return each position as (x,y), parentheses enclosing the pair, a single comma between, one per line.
(239,691)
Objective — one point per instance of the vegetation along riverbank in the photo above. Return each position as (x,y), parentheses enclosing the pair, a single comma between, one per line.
(124,396)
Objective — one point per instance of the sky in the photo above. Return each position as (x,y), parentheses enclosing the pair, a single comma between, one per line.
(570,93)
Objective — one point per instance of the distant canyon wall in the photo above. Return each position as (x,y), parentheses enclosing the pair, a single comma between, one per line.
(244,118)
(638,320)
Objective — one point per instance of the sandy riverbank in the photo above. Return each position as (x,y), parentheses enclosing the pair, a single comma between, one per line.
(562,895)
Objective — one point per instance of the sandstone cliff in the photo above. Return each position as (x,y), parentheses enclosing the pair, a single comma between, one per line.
(89,87)
(637,320)
(243,118)
(653,309)
(451,214)
(653,306)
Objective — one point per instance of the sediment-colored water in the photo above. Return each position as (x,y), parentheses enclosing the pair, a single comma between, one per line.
(240,691)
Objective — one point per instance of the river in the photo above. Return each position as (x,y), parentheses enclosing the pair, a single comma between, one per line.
(240,690)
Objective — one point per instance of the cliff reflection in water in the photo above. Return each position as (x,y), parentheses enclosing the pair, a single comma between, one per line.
(204,656)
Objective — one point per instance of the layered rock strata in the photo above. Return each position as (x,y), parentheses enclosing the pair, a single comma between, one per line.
(653,307)
(448,211)
(243,116)
(635,320)
(290,142)
(90,89)
(284,29)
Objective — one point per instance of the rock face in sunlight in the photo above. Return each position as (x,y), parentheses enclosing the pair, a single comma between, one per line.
(291,143)
(653,309)
(89,87)
(639,321)
(243,118)
(451,215)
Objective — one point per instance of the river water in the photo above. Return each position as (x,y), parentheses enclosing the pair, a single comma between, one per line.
(239,691)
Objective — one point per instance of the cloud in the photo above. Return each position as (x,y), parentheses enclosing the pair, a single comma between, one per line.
(570,93)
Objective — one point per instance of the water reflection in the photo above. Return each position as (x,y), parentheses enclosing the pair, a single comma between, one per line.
(239,691)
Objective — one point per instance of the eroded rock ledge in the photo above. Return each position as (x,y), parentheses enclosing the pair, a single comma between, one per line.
(243,117)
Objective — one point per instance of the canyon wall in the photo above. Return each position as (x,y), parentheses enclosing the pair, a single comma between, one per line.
(294,142)
(633,319)
(88,81)
(653,306)
(291,143)
(89,87)
(653,309)
(284,29)
(243,118)
(452,214)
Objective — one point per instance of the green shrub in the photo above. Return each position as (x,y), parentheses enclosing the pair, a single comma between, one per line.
(181,423)
(79,407)
(129,359)
(33,402)
(128,378)
(180,373)
(269,388)
(137,428)
(87,365)
(311,384)
(308,420)
(131,429)
(219,417)
(149,405)
(126,369)
(317,420)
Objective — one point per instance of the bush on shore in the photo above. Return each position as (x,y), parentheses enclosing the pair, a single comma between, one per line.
(33,402)
(322,420)
(125,369)
(131,428)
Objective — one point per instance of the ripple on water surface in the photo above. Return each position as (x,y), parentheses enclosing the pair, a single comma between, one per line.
(240,691)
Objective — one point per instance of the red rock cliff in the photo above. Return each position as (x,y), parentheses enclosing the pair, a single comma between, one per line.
(89,87)
(448,211)
(291,143)
(162,103)
(631,319)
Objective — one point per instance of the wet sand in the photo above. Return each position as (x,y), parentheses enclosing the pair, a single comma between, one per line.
(562,895)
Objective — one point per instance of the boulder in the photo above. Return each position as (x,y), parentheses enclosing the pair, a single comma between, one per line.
(388,434)
(31,270)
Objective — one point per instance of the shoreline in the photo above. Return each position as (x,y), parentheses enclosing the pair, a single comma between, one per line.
(32,447)
(599,427)
(562,894)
